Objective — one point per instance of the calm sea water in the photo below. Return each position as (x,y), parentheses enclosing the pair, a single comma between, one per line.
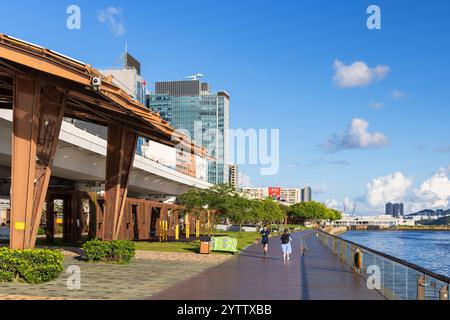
(428,249)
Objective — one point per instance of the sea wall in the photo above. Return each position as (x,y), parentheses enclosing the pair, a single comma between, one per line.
(335,230)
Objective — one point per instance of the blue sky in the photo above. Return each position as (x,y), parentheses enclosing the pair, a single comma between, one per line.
(277,61)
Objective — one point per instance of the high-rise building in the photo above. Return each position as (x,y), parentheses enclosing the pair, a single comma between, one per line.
(233,175)
(306,195)
(129,79)
(389,209)
(394,209)
(191,107)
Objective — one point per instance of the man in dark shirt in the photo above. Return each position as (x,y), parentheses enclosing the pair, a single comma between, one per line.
(265,232)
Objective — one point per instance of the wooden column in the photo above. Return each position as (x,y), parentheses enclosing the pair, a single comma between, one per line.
(119,161)
(37,118)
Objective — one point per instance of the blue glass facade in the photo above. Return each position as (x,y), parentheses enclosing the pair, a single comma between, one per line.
(205,119)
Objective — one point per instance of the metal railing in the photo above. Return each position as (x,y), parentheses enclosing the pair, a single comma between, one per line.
(398,279)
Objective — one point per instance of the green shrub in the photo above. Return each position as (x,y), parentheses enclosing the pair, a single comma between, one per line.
(32,266)
(120,251)
(41,231)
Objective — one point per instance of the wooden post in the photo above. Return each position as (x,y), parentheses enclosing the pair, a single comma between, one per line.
(37,117)
(443,293)
(197,228)
(421,287)
(119,161)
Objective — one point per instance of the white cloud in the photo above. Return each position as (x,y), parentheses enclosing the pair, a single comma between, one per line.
(114,19)
(357,74)
(390,188)
(244,180)
(333,203)
(376,105)
(345,206)
(397,95)
(356,137)
(433,192)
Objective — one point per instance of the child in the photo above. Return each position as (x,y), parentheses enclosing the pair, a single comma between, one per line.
(286,244)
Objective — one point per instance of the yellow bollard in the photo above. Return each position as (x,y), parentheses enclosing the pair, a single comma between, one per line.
(177,232)
(187,231)
(197,228)
(166,229)
(186,219)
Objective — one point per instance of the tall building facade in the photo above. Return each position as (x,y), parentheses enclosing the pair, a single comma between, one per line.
(233,175)
(190,106)
(306,194)
(129,79)
(280,194)
(394,209)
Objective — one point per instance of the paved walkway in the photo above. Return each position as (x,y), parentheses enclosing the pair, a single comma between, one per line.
(316,275)
(149,273)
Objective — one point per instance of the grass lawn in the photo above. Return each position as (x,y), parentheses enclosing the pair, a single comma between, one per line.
(243,240)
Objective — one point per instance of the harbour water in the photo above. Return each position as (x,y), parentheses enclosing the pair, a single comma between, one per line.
(428,249)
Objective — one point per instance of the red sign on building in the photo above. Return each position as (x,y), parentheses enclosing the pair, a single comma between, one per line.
(275,193)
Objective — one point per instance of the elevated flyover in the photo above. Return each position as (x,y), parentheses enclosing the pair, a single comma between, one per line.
(41,87)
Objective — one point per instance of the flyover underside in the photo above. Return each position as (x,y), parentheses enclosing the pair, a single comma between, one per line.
(81,156)
(38,111)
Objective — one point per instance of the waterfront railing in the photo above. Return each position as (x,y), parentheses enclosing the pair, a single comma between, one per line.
(394,278)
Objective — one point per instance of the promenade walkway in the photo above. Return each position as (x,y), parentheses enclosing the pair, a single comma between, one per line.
(316,275)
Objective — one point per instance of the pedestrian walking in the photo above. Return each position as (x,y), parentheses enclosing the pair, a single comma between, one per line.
(286,244)
(265,232)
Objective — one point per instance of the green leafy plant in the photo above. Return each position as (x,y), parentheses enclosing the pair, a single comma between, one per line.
(32,266)
(116,251)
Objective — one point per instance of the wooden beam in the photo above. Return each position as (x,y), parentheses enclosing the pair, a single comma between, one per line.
(37,116)
(23,163)
(119,161)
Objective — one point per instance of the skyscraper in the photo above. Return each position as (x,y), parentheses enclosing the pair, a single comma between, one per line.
(389,209)
(233,175)
(306,194)
(191,107)
(129,79)
(394,209)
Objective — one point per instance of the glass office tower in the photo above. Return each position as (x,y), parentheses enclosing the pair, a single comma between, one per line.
(189,106)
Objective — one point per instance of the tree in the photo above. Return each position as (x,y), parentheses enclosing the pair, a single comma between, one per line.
(311,211)
(334,214)
(271,211)
(193,201)
(220,198)
(240,210)
(314,212)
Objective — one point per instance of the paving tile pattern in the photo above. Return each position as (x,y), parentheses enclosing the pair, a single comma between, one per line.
(140,279)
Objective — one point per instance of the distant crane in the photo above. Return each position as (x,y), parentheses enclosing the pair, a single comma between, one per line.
(346,210)
(195,76)
(353,211)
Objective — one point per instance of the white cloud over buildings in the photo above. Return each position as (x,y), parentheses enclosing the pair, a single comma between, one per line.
(390,188)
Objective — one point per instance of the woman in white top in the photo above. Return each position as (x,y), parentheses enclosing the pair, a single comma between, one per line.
(286,244)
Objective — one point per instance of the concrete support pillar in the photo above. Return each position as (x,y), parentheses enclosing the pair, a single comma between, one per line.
(37,118)
(119,161)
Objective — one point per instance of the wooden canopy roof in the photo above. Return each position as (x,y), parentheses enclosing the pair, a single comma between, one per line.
(101,104)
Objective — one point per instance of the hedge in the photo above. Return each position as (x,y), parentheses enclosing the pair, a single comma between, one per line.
(118,251)
(32,266)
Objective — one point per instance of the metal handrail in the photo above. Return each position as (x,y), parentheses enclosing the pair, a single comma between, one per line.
(439,277)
